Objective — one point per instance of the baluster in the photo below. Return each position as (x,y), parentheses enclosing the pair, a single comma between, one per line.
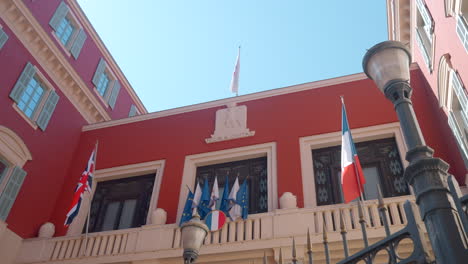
(319,222)
(224,233)
(118,241)
(103,246)
(265,261)
(343,235)
(347,218)
(76,248)
(328,221)
(207,239)
(375,215)
(336,219)
(309,247)
(403,212)
(70,247)
(280,259)
(395,214)
(382,211)
(215,235)
(177,237)
(57,247)
(240,230)
(232,231)
(95,247)
(63,249)
(256,227)
(362,221)
(123,244)
(355,218)
(325,243)
(294,259)
(248,229)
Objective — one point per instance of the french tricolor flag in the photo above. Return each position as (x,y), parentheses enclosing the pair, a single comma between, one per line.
(215,220)
(352,177)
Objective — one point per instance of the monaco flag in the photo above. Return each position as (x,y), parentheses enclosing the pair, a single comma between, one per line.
(352,178)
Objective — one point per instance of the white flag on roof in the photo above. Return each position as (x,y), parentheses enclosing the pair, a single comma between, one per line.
(235,75)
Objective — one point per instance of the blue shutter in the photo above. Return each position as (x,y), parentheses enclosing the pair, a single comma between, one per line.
(78,44)
(133,111)
(3,38)
(47,110)
(59,15)
(8,196)
(99,71)
(114,94)
(22,83)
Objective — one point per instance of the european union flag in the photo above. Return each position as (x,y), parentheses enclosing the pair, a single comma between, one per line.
(204,206)
(225,199)
(187,213)
(242,199)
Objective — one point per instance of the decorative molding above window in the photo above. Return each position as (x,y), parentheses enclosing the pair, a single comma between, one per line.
(34,97)
(106,84)
(68,31)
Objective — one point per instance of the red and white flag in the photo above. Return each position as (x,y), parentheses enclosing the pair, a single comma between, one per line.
(84,184)
(352,177)
(235,75)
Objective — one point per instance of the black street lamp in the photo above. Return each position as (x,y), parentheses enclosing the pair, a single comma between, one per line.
(193,234)
(387,63)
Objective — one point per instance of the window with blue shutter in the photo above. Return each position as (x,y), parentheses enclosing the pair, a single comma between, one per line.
(68,30)
(3,38)
(10,192)
(107,85)
(33,97)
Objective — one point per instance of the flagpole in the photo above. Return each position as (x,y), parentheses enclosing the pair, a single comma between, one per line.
(89,207)
(356,171)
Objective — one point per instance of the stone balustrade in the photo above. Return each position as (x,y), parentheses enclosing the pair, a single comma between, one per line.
(264,231)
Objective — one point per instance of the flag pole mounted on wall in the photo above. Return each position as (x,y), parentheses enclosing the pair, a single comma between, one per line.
(235,75)
(352,177)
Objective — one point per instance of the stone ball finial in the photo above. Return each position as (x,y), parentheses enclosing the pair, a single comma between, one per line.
(288,201)
(158,217)
(47,230)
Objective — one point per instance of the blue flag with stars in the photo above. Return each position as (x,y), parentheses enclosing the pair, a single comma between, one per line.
(225,199)
(187,213)
(242,199)
(204,206)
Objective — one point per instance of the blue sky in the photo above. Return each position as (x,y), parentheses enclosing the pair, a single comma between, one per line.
(177,53)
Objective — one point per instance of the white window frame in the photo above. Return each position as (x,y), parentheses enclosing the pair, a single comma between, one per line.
(48,89)
(222,156)
(120,172)
(309,143)
(462,23)
(425,37)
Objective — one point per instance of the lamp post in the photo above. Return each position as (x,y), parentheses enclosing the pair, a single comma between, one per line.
(387,63)
(193,234)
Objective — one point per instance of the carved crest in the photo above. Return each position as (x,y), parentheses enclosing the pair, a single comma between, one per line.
(231,123)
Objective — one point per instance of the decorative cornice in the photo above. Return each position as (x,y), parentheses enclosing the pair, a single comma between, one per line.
(31,34)
(235,100)
(75,7)
(399,20)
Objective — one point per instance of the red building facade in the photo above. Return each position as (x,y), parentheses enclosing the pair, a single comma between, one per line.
(73,94)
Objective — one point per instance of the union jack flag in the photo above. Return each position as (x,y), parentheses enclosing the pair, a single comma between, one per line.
(84,184)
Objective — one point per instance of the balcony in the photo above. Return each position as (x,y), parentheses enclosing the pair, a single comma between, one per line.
(237,240)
